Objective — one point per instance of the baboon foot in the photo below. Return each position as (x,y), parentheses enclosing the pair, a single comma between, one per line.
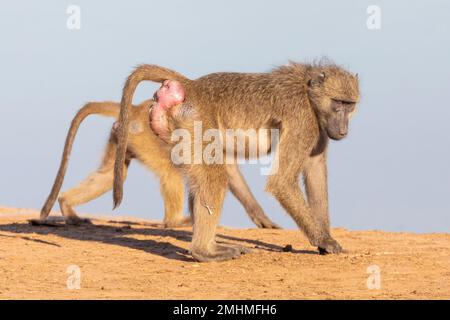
(242,249)
(77,221)
(70,216)
(43,222)
(178,223)
(264,222)
(329,245)
(219,253)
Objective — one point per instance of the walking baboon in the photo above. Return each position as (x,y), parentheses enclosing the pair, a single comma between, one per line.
(308,103)
(149,150)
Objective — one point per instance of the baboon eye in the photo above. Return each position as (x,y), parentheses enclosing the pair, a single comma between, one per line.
(339,104)
(350,106)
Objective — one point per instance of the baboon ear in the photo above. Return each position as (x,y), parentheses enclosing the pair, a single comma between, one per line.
(356,76)
(318,79)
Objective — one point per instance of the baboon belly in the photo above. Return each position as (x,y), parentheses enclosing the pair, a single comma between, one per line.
(248,143)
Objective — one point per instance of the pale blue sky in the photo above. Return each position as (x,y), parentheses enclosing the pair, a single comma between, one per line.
(391,173)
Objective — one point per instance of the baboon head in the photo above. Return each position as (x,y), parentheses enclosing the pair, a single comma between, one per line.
(334,94)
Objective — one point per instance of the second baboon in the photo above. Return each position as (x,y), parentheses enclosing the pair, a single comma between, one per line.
(148,149)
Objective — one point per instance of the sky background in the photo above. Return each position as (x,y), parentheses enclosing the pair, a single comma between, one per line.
(391,173)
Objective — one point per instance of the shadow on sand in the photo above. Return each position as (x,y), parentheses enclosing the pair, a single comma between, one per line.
(120,235)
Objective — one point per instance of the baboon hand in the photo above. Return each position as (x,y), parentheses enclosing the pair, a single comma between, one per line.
(77,221)
(329,245)
(264,222)
(178,222)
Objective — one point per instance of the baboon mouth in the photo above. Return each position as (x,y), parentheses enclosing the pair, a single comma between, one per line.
(337,136)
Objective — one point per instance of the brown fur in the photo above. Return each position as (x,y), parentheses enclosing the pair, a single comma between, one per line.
(149,150)
(308,103)
(158,74)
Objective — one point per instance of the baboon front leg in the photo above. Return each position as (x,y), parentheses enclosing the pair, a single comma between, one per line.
(285,187)
(242,192)
(208,186)
(96,184)
(316,187)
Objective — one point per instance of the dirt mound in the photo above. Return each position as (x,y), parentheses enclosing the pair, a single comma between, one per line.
(134,259)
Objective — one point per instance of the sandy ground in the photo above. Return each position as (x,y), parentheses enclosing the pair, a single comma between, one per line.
(127,258)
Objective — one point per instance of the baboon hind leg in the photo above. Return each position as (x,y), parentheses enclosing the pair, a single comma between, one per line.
(172,190)
(242,192)
(171,179)
(93,186)
(208,185)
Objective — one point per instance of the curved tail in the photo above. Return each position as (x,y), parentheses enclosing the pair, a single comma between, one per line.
(109,109)
(141,73)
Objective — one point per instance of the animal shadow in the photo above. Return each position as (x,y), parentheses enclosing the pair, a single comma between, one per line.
(120,235)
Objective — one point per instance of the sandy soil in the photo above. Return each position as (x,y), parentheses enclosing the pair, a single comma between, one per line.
(134,259)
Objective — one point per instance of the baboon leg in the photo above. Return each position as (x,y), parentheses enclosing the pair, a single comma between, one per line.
(171,179)
(285,187)
(209,184)
(96,184)
(315,177)
(242,192)
(172,190)
(191,204)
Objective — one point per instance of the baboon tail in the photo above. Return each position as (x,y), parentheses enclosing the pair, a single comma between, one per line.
(109,109)
(141,73)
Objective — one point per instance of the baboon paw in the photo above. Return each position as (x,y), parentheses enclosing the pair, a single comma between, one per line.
(265,223)
(329,245)
(43,222)
(241,249)
(220,253)
(76,221)
(178,223)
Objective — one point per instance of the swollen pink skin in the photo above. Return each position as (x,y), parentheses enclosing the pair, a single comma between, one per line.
(159,122)
(169,95)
